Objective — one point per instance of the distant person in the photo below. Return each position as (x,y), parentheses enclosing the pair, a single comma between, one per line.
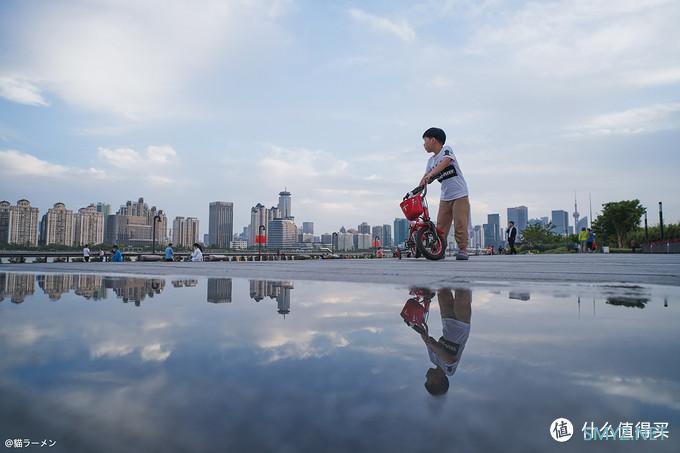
(590,240)
(117,256)
(86,253)
(446,352)
(169,253)
(512,237)
(454,205)
(102,255)
(197,254)
(583,240)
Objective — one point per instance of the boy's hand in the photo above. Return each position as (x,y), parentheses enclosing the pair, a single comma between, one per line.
(425,181)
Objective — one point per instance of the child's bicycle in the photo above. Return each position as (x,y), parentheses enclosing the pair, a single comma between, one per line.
(424,237)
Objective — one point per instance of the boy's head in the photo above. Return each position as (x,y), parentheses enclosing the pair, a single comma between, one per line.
(433,139)
(512,223)
(436,381)
(169,244)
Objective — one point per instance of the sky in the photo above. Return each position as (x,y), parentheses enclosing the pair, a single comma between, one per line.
(184,103)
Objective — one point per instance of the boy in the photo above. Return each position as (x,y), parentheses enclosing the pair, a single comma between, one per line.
(454,206)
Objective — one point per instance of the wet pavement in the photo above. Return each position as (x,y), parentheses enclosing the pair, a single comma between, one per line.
(114,363)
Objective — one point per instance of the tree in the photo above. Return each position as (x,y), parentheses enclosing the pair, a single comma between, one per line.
(535,236)
(619,219)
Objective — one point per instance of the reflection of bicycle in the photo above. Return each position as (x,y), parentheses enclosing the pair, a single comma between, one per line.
(416,309)
(424,236)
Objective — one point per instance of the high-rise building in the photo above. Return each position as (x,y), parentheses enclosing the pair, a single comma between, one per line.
(582,223)
(345,241)
(364,228)
(185,231)
(400,231)
(89,227)
(105,209)
(59,226)
(387,236)
(259,219)
(4,222)
(519,215)
(282,234)
(220,224)
(308,227)
(23,224)
(285,210)
(560,221)
(137,224)
(327,239)
(377,232)
(492,231)
(363,241)
(477,237)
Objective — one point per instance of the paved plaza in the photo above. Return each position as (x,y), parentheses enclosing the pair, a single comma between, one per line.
(568,268)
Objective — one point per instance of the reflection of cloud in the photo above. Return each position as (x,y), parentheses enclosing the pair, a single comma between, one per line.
(299,345)
(150,353)
(643,389)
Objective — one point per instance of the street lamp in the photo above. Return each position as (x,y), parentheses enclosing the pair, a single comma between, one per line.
(156,218)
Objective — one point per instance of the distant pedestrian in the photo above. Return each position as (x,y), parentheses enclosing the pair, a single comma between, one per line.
(583,240)
(102,255)
(197,254)
(117,256)
(590,240)
(86,253)
(169,253)
(512,237)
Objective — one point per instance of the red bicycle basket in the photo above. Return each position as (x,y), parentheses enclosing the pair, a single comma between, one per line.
(412,207)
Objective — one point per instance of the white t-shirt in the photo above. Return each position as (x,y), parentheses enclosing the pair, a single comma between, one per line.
(86,251)
(452,180)
(197,255)
(456,332)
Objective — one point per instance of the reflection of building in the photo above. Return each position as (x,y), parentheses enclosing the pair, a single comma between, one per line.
(89,286)
(184,283)
(17,286)
(519,295)
(54,285)
(219,290)
(278,290)
(134,289)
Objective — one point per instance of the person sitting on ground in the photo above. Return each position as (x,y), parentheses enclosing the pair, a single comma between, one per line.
(117,256)
(197,254)
(169,253)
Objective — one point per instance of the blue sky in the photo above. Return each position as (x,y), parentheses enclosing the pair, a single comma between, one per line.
(104,100)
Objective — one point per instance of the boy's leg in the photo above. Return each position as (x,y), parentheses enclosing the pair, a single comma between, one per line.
(461,219)
(445,216)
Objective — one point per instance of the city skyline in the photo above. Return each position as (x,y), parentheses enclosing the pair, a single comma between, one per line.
(174,111)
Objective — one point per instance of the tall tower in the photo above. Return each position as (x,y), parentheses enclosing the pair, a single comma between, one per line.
(575,214)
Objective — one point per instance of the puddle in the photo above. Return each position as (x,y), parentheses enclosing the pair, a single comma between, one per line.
(98,363)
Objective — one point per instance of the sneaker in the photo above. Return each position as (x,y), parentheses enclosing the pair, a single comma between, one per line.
(462,255)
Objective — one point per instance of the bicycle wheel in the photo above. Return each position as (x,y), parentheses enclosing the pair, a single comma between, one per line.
(430,244)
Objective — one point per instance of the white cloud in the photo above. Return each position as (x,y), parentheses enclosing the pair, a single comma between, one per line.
(17,163)
(401,29)
(632,121)
(133,59)
(21,91)
(290,164)
(659,77)
(129,159)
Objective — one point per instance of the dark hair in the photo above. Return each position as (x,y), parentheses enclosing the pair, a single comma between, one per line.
(512,221)
(435,133)
(198,246)
(439,386)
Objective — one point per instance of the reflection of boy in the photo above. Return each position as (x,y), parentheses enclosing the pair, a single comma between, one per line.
(445,353)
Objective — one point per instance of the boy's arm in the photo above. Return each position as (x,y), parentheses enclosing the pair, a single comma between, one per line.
(446,161)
